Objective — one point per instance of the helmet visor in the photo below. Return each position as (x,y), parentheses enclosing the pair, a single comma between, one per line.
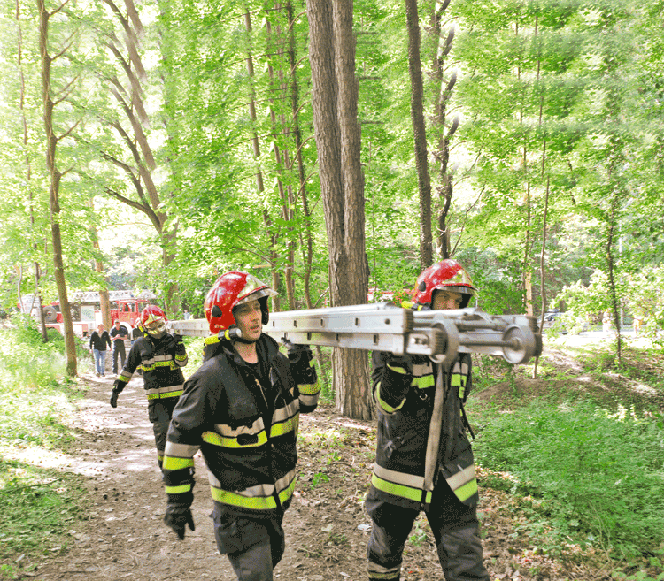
(156,326)
(255,295)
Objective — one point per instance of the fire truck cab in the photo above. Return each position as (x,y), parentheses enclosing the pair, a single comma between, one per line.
(86,310)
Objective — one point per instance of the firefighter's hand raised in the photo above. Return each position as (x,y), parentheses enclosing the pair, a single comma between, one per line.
(178,517)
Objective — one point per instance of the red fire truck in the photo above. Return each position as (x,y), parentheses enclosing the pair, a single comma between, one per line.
(86,309)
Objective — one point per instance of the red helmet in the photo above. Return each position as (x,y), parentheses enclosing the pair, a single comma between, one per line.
(445,275)
(154,320)
(232,289)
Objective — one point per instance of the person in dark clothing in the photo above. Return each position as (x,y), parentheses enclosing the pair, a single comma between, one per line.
(161,356)
(137,331)
(98,341)
(118,334)
(241,409)
(406,479)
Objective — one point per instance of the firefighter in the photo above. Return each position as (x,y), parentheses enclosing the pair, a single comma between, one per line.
(404,390)
(241,410)
(161,357)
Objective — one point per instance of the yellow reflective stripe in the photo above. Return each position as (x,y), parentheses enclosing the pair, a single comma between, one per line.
(376,572)
(424,381)
(178,489)
(387,408)
(151,367)
(171,463)
(414,494)
(152,396)
(455,380)
(309,388)
(253,502)
(290,425)
(467,490)
(126,375)
(211,340)
(397,369)
(218,440)
(181,357)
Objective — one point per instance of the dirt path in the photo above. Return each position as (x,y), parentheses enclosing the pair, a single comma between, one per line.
(326,527)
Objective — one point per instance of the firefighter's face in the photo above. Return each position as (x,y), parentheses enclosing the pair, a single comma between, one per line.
(444,300)
(249,319)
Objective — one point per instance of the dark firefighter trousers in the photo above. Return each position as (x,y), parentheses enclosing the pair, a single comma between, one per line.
(454,525)
(160,412)
(254,545)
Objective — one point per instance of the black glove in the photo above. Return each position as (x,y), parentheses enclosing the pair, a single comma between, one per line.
(114,399)
(177,337)
(298,353)
(178,517)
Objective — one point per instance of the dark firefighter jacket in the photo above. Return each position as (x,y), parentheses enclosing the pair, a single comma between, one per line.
(404,389)
(246,429)
(162,361)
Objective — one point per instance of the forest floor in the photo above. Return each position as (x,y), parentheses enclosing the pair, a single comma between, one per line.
(123,535)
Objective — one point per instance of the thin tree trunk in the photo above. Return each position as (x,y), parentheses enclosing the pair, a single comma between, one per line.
(54,185)
(308,245)
(442,154)
(611,264)
(267,219)
(28,174)
(419,132)
(542,270)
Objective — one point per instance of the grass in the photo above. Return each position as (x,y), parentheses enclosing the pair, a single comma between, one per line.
(582,451)
(38,507)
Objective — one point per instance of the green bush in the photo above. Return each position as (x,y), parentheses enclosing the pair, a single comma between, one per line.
(592,473)
(25,360)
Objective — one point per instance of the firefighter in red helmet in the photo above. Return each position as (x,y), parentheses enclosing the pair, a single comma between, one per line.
(159,356)
(404,389)
(241,410)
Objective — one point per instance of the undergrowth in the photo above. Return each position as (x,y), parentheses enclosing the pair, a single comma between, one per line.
(594,475)
(37,506)
(37,510)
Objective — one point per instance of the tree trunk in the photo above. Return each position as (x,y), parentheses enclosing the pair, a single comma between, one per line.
(611,266)
(54,185)
(419,132)
(442,154)
(272,235)
(104,302)
(337,131)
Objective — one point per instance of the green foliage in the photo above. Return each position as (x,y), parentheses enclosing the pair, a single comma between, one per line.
(595,475)
(37,507)
(26,361)
(38,510)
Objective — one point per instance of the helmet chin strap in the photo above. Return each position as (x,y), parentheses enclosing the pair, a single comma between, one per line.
(234,334)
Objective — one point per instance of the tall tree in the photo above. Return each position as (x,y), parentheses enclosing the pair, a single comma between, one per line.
(337,130)
(55,174)
(419,131)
